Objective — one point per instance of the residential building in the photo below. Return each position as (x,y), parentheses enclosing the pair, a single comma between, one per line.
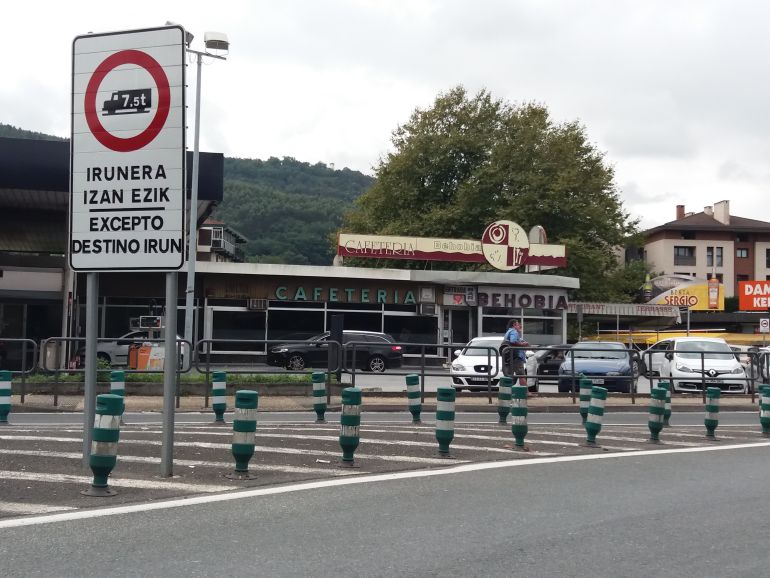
(218,242)
(710,243)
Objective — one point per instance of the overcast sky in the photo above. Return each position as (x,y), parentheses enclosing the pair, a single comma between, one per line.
(675,93)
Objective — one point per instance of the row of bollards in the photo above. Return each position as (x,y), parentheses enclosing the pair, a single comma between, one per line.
(512,399)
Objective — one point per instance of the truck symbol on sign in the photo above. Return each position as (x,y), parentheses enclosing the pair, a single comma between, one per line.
(128,102)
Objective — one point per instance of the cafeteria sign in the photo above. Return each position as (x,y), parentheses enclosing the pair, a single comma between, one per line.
(504,245)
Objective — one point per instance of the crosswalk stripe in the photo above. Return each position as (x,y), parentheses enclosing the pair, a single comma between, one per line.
(25,508)
(117,482)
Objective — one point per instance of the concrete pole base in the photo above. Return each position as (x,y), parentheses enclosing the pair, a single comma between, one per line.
(99,492)
(344,464)
(241,476)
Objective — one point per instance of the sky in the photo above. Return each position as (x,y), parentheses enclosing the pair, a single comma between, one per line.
(674,93)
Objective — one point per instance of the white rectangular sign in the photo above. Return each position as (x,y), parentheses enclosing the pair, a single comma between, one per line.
(127,163)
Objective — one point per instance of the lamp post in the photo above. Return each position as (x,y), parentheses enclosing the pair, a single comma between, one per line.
(213,41)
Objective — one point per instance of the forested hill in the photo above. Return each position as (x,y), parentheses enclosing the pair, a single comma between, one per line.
(286,208)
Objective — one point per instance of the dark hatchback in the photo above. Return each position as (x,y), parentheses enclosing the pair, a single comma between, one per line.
(605,363)
(373,352)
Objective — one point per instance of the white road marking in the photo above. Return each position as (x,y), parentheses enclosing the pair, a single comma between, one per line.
(118,482)
(285,489)
(24,508)
(258,449)
(185,463)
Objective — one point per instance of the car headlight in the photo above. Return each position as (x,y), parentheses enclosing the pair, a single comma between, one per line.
(280,349)
(737,371)
(683,368)
(458,367)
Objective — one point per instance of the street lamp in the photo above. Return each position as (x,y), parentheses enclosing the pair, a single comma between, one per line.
(213,41)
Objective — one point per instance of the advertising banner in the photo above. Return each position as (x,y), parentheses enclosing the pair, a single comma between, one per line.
(754,295)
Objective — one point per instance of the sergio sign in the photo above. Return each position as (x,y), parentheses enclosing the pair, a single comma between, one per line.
(128,152)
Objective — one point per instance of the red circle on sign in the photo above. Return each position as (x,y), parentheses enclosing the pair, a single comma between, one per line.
(151,65)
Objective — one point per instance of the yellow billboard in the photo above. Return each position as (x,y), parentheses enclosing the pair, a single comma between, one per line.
(697,296)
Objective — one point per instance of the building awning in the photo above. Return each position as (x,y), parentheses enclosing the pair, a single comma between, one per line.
(670,312)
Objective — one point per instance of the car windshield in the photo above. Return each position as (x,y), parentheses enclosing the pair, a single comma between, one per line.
(709,349)
(322,337)
(600,351)
(483,347)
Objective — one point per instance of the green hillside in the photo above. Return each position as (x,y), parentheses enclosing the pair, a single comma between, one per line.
(286,208)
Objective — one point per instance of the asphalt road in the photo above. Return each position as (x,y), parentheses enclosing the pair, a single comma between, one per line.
(689,513)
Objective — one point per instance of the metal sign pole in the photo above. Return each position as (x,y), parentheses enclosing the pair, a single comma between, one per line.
(170,360)
(89,395)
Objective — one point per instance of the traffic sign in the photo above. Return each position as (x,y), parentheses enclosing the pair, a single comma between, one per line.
(127,177)
(764,325)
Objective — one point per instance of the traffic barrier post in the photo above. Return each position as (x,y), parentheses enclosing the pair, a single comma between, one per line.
(244,433)
(712,411)
(657,413)
(504,399)
(5,395)
(764,409)
(319,395)
(104,443)
(519,411)
(219,395)
(585,396)
(595,414)
(445,419)
(414,396)
(667,405)
(350,425)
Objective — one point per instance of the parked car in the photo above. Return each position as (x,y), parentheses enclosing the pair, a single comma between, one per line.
(115,352)
(374,351)
(477,364)
(543,365)
(605,363)
(692,362)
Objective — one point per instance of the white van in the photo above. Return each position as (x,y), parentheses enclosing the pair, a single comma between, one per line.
(694,362)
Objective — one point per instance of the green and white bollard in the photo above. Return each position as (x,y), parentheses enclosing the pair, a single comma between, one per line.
(244,432)
(657,413)
(595,415)
(319,395)
(504,399)
(118,387)
(413,396)
(104,447)
(667,407)
(585,396)
(445,419)
(5,395)
(219,395)
(712,411)
(350,424)
(764,409)
(519,411)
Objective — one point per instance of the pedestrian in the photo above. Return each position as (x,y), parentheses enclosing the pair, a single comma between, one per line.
(513,357)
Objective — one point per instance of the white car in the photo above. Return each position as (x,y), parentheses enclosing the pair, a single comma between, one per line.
(478,364)
(694,362)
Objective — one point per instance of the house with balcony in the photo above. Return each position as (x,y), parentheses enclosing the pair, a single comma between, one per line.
(710,243)
(219,243)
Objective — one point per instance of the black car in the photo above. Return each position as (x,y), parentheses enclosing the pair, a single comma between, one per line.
(373,351)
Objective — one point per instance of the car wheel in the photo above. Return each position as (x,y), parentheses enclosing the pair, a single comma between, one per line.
(376,364)
(295,362)
(103,357)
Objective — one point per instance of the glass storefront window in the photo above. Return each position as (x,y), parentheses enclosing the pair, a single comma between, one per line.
(292,325)
(357,321)
(238,325)
(413,330)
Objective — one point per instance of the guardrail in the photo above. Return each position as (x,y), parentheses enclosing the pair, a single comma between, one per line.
(183,364)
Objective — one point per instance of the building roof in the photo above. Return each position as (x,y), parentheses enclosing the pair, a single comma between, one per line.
(704,222)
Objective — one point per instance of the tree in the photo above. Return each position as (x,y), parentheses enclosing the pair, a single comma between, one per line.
(468,161)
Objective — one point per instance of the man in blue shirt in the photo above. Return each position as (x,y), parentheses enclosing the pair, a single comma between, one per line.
(513,359)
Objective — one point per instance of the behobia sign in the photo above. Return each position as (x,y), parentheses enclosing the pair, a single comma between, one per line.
(754,295)
(127,177)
